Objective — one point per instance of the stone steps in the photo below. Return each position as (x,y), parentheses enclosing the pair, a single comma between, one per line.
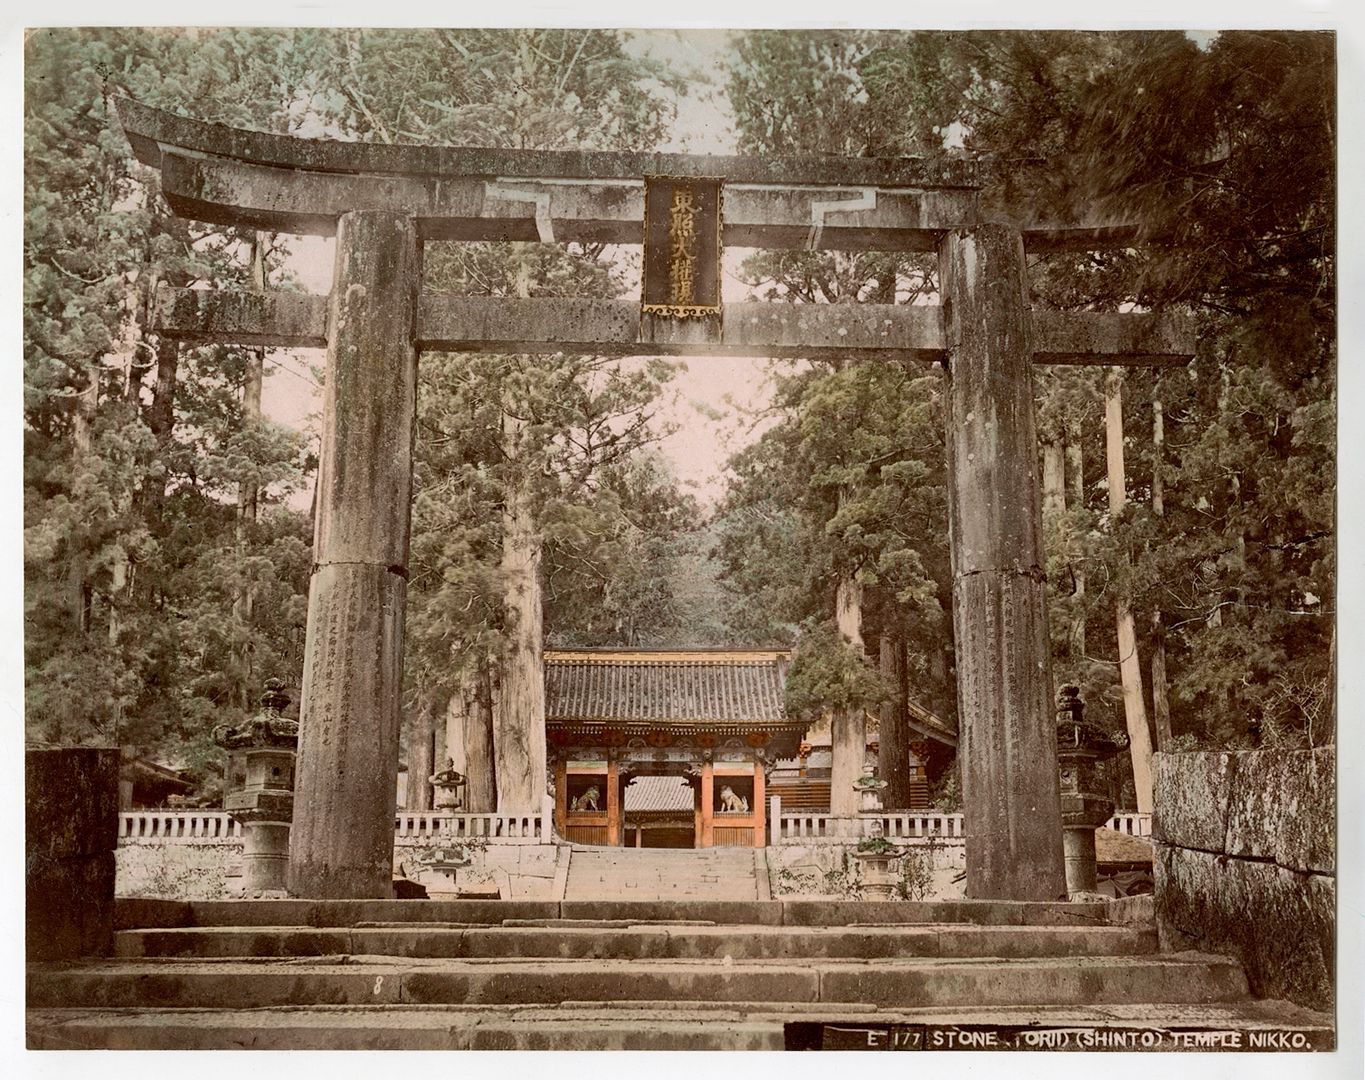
(619,974)
(653,874)
(904,982)
(618,939)
(615,1025)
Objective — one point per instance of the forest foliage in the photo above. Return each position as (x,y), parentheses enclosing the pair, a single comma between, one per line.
(167,550)
(1223,148)
(157,597)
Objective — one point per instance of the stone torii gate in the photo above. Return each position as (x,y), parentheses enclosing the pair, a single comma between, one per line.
(382,201)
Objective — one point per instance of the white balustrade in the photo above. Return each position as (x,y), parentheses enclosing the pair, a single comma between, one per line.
(410,828)
(440,825)
(797,828)
(194,826)
(1131,824)
(177,826)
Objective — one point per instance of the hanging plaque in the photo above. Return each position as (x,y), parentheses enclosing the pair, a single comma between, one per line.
(682,246)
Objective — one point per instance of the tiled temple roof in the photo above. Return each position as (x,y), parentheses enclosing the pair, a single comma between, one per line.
(674,686)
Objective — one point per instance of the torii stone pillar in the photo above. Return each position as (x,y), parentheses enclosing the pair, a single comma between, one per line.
(1007,750)
(345,798)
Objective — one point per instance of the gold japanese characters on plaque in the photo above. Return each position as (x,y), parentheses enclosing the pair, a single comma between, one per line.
(682,247)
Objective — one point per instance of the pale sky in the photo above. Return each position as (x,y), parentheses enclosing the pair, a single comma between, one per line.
(727,387)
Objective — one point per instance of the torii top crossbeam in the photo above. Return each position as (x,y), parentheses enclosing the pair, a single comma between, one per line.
(230,176)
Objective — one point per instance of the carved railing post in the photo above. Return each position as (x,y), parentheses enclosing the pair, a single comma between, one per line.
(1007,747)
(353,659)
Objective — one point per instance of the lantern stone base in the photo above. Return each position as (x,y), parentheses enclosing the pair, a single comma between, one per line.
(265,859)
(1081,816)
(876,879)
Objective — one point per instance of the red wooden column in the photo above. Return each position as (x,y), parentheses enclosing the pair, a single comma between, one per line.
(342,842)
(1008,743)
(615,830)
(760,808)
(708,799)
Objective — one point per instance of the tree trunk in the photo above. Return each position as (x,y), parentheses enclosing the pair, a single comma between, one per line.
(473,728)
(82,438)
(1054,477)
(247,493)
(422,762)
(894,754)
(1130,670)
(1161,704)
(848,728)
(519,730)
(118,584)
(161,414)
(519,734)
(941,695)
(848,611)
(1075,463)
(456,708)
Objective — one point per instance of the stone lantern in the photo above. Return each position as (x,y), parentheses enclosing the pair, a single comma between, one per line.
(265,805)
(869,788)
(1082,748)
(876,855)
(449,786)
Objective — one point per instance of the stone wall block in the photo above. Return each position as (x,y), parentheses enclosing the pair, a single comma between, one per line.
(1319,829)
(69,806)
(1256,810)
(176,871)
(1279,923)
(71,829)
(1282,806)
(1191,799)
(1308,836)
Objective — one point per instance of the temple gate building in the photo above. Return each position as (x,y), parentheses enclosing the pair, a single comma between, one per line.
(682,748)
(712,718)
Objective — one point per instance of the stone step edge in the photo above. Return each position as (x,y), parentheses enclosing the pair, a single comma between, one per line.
(574,926)
(633,942)
(1265,1011)
(379,964)
(132,913)
(611,1025)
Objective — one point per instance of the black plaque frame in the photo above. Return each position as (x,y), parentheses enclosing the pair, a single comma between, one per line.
(655,272)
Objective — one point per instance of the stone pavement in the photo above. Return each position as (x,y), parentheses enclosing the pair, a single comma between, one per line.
(719,873)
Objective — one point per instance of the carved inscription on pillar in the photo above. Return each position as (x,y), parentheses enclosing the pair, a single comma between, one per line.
(1007,749)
